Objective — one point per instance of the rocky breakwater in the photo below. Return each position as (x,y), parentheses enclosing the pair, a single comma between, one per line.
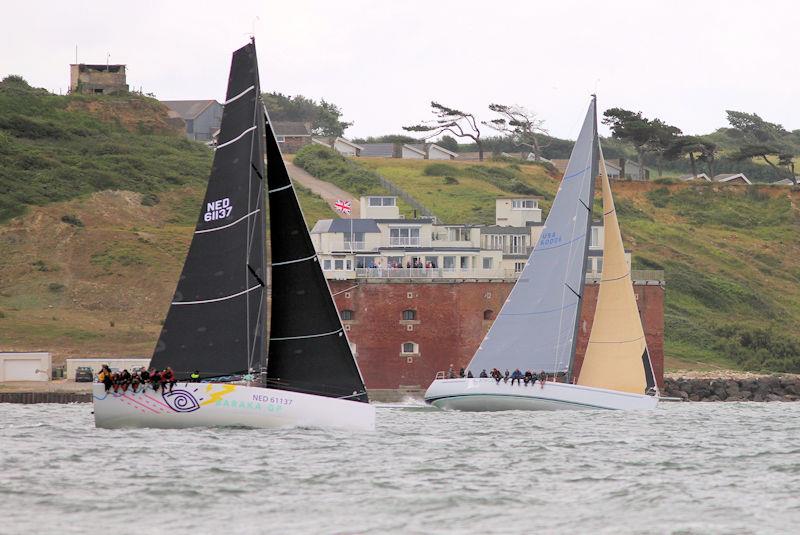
(733,388)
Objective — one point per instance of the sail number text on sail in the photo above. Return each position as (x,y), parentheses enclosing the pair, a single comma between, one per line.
(219,209)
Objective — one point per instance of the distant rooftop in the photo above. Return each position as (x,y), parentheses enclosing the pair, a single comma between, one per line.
(188,109)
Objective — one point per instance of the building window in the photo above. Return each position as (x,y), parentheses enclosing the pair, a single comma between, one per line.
(431,261)
(518,244)
(449,262)
(493,241)
(595,239)
(488,314)
(338,265)
(589,264)
(280,139)
(409,315)
(523,204)
(599,265)
(458,234)
(487,262)
(394,261)
(326,265)
(348,264)
(403,236)
(348,315)
(382,201)
(518,267)
(464,262)
(190,126)
(409,348)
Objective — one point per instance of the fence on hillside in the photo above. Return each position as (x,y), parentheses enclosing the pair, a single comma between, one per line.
(394,189)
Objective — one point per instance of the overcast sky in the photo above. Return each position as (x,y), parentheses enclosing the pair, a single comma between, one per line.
(383,62)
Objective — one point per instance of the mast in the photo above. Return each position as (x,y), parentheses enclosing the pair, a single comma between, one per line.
(589,204)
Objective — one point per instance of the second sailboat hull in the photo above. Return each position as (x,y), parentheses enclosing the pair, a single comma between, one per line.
(226,405)
(482,394)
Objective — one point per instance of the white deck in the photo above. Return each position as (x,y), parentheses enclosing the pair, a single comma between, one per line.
(482,394)
(226,405)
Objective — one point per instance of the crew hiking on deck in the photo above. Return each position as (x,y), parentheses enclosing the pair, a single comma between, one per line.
(138,380)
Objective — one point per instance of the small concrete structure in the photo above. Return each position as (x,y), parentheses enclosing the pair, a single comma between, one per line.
(120,363)
(97,79)
(25,367)
(700,176)
(343,146)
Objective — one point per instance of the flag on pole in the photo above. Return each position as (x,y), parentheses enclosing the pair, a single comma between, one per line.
(343,206)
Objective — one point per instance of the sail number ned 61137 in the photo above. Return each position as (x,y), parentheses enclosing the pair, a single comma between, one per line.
(219,209)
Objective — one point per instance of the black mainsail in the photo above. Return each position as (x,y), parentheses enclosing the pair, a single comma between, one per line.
(217,320)
(215,324)
(308,348)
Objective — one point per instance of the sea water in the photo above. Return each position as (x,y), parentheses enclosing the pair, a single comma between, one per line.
(683,468)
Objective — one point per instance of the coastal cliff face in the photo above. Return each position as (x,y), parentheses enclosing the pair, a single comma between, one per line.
(752,388)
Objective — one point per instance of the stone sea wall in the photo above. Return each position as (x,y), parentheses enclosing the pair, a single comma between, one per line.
(758,388)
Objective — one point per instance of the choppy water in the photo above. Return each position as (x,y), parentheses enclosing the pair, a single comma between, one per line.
(685,468)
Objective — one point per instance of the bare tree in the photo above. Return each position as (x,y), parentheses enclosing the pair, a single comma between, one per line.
(456,122)
(522,125)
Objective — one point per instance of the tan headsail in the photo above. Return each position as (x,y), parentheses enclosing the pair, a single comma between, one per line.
(616,357)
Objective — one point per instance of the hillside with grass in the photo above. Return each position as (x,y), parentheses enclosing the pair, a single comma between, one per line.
(100,195)
(729,252)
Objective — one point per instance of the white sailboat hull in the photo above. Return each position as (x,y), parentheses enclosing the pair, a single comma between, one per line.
(226,405)
(482,394)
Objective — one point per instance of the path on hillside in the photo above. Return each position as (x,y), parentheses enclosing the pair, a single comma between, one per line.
(326,190)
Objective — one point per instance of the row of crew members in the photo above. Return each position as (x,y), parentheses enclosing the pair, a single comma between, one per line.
(141,378)
(517,375)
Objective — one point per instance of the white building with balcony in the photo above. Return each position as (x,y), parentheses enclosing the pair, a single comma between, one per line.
(383,244)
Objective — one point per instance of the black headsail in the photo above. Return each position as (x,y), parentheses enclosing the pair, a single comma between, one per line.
(308,349)
(216,321)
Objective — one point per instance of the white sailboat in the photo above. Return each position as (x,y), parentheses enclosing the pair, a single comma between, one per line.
(537,326)
(217,321)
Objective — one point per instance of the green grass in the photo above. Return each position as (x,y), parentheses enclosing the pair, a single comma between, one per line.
(314,206)
(54,148)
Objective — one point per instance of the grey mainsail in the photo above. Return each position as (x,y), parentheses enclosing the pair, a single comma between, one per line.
(536,328)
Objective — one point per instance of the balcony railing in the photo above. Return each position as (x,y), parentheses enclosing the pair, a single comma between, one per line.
(652,275)
(403,241)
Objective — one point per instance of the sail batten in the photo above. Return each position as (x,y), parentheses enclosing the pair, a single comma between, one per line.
(536,328)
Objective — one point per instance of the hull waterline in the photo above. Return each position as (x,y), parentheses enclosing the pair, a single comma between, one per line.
(482,394)
(226,405)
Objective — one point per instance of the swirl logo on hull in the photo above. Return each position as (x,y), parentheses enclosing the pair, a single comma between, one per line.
(181,401)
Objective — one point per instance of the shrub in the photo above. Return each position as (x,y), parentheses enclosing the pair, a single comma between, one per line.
(449,180)
(659,197)
(150,199)
(55,287)
(330,166)
(440,169)
(71,219)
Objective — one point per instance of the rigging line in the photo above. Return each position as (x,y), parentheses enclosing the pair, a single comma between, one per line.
(610,211)
(537,313)
(217,299)
(237,138)
(345,290)
(250,360)
(573,175)
(273,264)
(228,225)
(256,170)
(337,331)
(617,341)
(279,189)
(584,204)
(243,93)
(253,140)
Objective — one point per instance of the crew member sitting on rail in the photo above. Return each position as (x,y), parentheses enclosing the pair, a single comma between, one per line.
(135,380)
(469,374)
(542,378)
(496,375)
(167,378)
(155,379)
(483,374)
(461,373)
(516,376)
(195,376)
(529,378)
(505,377)
(105,377)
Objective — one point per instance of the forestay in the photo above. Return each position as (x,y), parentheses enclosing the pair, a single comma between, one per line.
(536,328)
(215,323)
